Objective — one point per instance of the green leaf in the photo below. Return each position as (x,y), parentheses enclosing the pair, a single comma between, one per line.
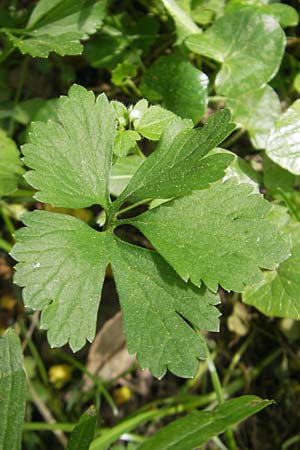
(275,177)
(122,172)
(58,26)
(84,431)
(71,156)
(122,73)
(278,294)
(286,15)
(153,122)
(283,145)
(180,163)
(42,8)
(125,142)
(204,11)
(199,427)
(248,44)
(256,112)
(13,391)
(10,165)
(240,170)
(183,21)
(156,306)
(62,264)
(121,39)
(42,45)
(222,235)
(180,87)
(67,16)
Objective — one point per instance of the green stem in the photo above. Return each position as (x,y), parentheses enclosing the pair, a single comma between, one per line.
(220,396)
(236,358)
(215,378)
(6,246)
(134,205)
(6,52)
(134,88)
(95,380)
(34,351)
(8,222)
(232,139)
(216,98)
(23,72)
(289,205)
(22,193)
(42,426)
(180,16)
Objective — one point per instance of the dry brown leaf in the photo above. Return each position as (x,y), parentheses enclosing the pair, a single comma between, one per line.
(108,357)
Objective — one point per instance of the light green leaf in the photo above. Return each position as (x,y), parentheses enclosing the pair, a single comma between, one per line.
(248,44)
(67,16)
(256,112)
(84,431)
(10,165)
(62,264)
(12,391)
(122,172)
(122,73)
(286,15)
(58,26)
(125,142)
(183,21)
(180,163)
(180,87)
(71,157)
(222,235)
(278,294)
(42,8)
(199,427)
(155,302)
(153,122)
(283,145)
(204,11)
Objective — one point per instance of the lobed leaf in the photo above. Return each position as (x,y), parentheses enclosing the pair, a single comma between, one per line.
(59,25)
(42,45)
(180,163)
(153,122)
(220,235)
(156,307)
(62,264)
(70,157)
